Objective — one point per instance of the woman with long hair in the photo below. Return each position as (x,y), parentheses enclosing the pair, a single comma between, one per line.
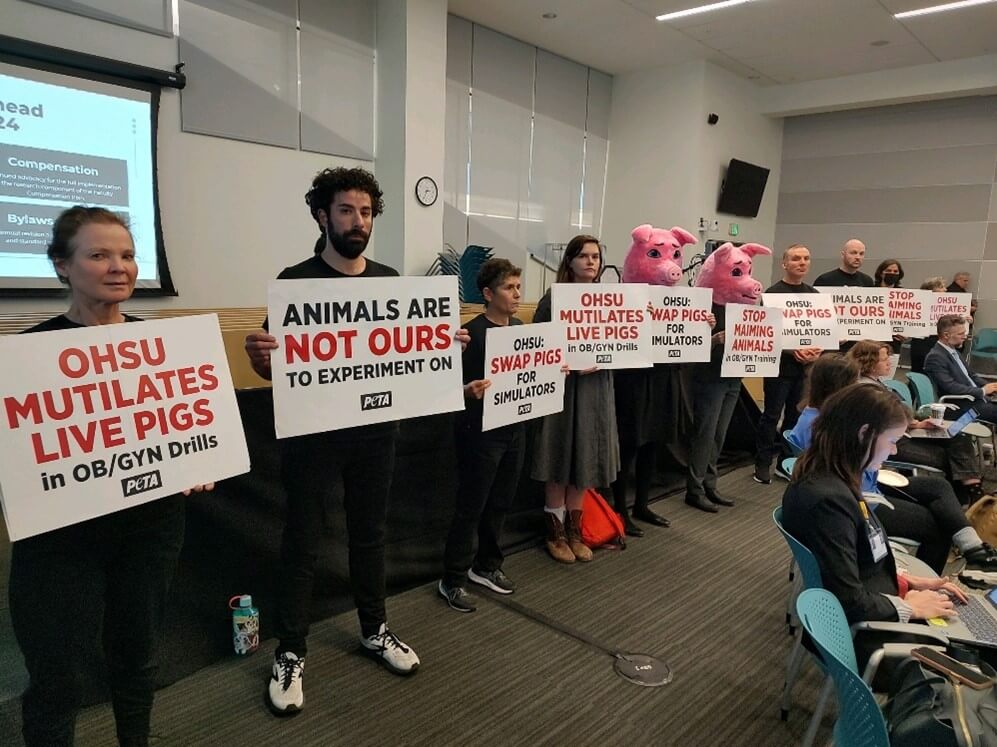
(111,572)
(954,456)
(926,510)
(577,448)
(824,509)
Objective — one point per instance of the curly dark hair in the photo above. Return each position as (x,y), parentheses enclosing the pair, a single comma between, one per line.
(69,223)
(328,182)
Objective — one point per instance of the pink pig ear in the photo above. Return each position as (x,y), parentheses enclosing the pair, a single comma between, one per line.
(754,249)
(642,233)
(683,236)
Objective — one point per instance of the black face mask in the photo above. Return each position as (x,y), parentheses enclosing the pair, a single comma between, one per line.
(890,279)
(350,244)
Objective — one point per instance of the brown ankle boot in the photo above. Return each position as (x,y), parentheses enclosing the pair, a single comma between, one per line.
(579,549)
(557,544)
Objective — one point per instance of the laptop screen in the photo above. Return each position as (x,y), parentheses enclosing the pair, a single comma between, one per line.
(965,419)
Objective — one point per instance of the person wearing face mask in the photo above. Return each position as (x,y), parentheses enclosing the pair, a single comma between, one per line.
(888,274)
(577,448)
(824,509)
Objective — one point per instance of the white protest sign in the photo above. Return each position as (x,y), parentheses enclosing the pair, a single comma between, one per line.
(752,341)
(679,330)
(523,362)
(356,351)
(862,312)
(808,320)
(109,417)
(605,324)
(943,304)
(909,312)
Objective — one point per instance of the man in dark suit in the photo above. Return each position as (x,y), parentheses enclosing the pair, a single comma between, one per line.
(945,367)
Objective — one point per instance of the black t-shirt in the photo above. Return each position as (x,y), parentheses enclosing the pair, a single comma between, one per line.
(64,322)
(316,267)
(837,279)
(789,367)
(474,364)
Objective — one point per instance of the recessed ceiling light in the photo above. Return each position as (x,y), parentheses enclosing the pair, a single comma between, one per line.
(879,43)
(940,8)
(549,16)
(700,9)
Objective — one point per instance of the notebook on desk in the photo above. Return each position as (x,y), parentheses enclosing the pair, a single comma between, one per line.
(949,429)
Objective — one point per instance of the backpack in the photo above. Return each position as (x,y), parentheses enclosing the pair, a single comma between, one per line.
(982,515)
(601,525)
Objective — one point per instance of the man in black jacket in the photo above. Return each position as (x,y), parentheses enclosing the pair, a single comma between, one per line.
(946,369)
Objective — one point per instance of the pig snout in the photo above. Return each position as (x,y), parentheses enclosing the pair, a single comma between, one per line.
(753,289)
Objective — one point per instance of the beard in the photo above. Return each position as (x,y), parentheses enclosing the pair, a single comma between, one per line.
(350,244)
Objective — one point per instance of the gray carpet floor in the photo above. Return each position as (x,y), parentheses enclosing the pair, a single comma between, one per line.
(707,596)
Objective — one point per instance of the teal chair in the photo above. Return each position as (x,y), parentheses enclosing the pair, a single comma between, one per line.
(860,722)
(901,391)
(985,347)
(924,389)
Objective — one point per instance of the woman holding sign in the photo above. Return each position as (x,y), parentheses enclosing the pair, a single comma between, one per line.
(577,448)
(115,568)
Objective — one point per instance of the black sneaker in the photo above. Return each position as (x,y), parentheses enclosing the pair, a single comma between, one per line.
(763,474)
(456,597)
(497,581)
(982,558)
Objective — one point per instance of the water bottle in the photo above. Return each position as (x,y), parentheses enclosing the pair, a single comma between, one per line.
(245,624)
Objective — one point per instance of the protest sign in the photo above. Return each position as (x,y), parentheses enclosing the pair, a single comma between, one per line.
(103,418)
(679,330)
(943,304)
(523,363)
(605,324)
(862,312)
(752,341)
(808,320)
(909,312)
(356,351)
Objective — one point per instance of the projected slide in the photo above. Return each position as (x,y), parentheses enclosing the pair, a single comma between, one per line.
(70,141)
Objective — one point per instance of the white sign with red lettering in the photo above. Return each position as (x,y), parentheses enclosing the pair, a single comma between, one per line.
(680,332)
(109,417)
(862,313)
(523,363)
(909,311)
(943,304)
(357,351)
(752,341)
(808,320)
(605,324)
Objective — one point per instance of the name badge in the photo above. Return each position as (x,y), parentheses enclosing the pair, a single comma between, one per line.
(877,543)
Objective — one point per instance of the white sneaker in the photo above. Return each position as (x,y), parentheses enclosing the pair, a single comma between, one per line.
(391,652)
(286,696)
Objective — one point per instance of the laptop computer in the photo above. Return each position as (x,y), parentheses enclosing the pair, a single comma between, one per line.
(949,429)
(976,622)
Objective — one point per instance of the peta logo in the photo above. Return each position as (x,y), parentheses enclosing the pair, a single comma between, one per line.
(750,368)
(604,359)
(898,330)
(375,400)
(804,343)
(674,353)
(526,409)
(141,483)
(854,333)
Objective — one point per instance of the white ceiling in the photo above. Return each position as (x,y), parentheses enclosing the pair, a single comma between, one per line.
(769,41)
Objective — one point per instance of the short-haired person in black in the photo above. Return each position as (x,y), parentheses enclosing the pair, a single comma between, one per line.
(488,462)
(823,508)
(848,273)
(345,202)
(783,392)
(110,572)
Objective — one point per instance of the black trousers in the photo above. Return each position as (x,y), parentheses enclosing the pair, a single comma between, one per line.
(782,393)
(312,467)
(713,402)
(109,573)
(489,465)
(927,511)
(643,459)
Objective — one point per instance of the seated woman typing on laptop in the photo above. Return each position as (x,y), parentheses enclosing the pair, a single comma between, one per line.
(926,510)
(954,456)
(857,429)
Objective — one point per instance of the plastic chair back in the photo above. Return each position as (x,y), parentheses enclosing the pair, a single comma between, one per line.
(901,390)
(860,722)
(986,340)
(924,389)
(794,448)
(805,559)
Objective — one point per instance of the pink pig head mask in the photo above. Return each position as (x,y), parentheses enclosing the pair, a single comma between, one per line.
(728,272)
(655,256)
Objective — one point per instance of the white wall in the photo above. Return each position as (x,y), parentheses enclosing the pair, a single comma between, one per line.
(233,213)
(666,162)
